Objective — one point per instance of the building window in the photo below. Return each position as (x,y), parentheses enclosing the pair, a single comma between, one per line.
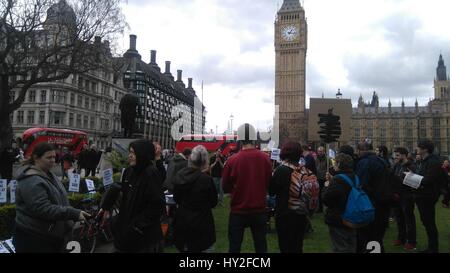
(72,99)
(32,96)
(71,119)
(41,117)
(43,95)
(94,87)
(92,123)
(30,118)
(85,122)
(80,101)
(58,118)
(86,103)
(93,104)
(20,115)
(78,121)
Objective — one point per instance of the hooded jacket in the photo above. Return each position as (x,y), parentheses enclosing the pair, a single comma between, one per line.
(431,171)
(335,197)
(42,207)
(177,163)
(138,224)
(196,195)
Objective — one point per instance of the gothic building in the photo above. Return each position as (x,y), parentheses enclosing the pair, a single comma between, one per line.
(406,125)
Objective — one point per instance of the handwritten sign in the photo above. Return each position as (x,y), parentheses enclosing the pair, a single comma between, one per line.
(12,191)
(90,185)
(107,177)
(3,187)
(74,182)
(275,155)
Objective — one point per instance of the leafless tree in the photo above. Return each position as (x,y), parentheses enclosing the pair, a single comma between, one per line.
(48,40)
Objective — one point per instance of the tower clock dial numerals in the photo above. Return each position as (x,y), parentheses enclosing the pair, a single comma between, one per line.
(289,33)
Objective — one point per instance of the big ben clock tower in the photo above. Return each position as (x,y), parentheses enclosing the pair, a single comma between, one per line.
(290,70)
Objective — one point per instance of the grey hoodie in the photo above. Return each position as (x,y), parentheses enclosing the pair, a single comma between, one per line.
(177,163)
(42,207)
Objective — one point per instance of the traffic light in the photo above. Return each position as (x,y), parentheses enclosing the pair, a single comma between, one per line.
(330,129)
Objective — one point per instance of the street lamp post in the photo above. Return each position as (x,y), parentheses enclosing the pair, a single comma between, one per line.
(231,124)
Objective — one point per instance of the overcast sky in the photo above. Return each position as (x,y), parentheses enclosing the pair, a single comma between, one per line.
(391,46)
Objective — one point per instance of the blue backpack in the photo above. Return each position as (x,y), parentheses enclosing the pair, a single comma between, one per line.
(359,211)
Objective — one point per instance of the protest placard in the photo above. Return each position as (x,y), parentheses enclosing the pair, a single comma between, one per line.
(107,177)
(74,182)
(12,191)
(3,193)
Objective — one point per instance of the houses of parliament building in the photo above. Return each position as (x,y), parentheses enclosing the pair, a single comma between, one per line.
(403,125)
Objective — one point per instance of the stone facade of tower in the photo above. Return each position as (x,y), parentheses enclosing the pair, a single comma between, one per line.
(290,70)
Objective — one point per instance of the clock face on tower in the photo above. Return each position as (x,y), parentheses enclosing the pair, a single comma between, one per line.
(289,33)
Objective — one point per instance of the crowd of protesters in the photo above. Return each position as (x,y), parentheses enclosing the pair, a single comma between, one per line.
(302,183)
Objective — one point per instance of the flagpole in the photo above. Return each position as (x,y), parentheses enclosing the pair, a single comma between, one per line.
(203,129)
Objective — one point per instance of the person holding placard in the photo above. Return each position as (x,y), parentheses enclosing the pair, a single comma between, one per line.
(427,195)
(44,217)
(137,228)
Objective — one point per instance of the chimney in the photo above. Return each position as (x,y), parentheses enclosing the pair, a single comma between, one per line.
(179,75)
(133,42)
(167,67)
(190,83)
(153,57)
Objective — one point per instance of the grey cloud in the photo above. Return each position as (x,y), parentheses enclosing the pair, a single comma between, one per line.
(213,70)
(407,71)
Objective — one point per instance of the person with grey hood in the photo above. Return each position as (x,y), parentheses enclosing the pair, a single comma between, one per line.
(44,217)
(178,162)
(196,196)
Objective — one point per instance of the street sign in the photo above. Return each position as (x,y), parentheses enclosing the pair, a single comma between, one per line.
(330,129)
(74,182)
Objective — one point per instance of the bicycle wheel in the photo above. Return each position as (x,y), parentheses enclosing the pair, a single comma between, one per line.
(88,244)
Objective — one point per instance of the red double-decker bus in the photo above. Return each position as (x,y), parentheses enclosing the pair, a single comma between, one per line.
(73,140)
(210,142)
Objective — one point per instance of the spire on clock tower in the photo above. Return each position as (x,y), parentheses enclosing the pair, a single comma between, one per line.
(290,5)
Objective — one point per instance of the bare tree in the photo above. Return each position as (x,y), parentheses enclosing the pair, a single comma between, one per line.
(48,40)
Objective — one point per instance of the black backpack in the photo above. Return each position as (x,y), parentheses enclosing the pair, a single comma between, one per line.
(383,185)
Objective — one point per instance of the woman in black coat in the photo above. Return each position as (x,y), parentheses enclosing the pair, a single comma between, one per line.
(196,195)
(137,228)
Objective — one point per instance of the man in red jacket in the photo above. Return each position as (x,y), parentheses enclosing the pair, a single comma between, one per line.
(246,177)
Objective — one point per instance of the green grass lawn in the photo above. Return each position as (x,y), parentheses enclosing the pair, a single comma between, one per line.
(319,240)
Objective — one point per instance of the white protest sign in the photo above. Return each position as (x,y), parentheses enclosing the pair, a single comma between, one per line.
(10,245)
(413,180)
(3,187)
(3,250)
(90,185)
(12,191)
(74,182)
(107,177)
(275,154)
(331,153)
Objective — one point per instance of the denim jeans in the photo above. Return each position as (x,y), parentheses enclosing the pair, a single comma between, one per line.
(343,239)
(236,227)
(219,189)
